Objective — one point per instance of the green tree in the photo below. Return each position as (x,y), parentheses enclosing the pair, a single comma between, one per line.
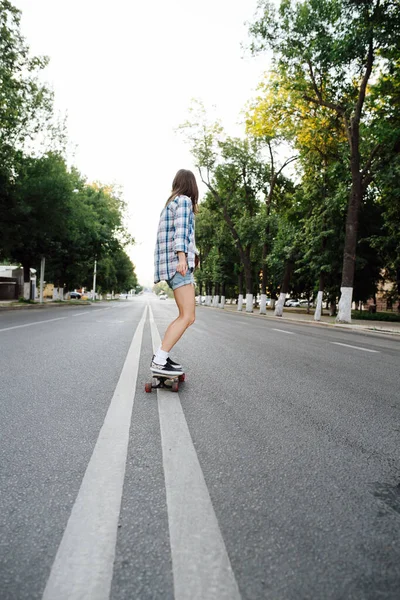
(39,209)
(330,50)
(26,104)
(115,273)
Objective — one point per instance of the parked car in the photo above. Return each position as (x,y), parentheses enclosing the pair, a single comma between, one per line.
(292,302)
(75,295)
(305,303)
(163,296)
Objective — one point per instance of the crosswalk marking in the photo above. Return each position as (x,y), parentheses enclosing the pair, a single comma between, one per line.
(83,567)
(201,566)
(355,347)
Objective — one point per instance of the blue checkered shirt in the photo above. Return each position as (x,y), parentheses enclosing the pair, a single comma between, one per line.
(175,234)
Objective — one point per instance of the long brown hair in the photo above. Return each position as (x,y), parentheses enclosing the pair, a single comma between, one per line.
(184,184)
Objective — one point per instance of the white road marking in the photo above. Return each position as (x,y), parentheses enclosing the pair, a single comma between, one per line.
(283,331)
(83,567)
(95,310)
(355,347)
(30,324)
(201,566)
(108,322)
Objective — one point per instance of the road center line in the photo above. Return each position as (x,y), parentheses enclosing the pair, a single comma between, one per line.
(83,566)
(355,347)
(283,331)
(30,324)
(201,566)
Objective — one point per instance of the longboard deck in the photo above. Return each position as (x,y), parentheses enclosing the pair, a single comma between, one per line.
(159,381)
(160,376)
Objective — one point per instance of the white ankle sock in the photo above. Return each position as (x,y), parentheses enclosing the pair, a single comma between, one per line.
(160,357)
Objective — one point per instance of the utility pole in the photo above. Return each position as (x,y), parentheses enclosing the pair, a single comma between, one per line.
(94,280)
(42,264)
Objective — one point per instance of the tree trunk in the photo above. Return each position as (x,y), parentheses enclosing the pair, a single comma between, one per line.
(332,306)
(223,291)
(284,289)
(318,309)
(353,210)
(216,295)
(248,274)
(264,273)
(263,304)
(208,294)
(349,257)
(240,285)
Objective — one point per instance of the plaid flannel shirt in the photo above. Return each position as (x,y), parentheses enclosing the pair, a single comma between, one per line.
(175,234)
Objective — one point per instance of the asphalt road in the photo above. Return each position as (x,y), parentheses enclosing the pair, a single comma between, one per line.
(273,474)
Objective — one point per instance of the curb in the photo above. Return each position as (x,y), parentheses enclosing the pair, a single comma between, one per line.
(362,328)
(39,306)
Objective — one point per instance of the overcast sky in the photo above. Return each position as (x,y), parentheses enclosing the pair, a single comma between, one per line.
(125,73)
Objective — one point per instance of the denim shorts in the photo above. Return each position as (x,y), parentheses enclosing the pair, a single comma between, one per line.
(179,280)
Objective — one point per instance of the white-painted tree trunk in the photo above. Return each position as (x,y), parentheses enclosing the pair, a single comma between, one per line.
(344,314)
(280,304)
(208,301)
(222,304)
(215,301)
(249,302)
(318,310)
(240,302)
(27,290)
(263,304)
(199,300)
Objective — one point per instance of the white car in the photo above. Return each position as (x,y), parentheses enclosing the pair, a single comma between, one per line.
(292,302)
(75,295)
(163,296)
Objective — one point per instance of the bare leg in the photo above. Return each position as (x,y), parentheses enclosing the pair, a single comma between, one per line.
(185,300)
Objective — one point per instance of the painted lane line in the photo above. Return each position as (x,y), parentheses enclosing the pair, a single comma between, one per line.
(283,331)
(201,566)
(83,566)
(30,324)
(108,322)
(355,347)
(94,310)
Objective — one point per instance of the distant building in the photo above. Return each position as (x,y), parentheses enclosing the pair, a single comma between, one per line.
(12,282)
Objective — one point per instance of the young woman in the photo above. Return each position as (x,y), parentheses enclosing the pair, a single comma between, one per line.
(174,262)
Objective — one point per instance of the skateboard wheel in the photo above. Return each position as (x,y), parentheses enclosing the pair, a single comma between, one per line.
(148,387)
(175,386)
(182,377)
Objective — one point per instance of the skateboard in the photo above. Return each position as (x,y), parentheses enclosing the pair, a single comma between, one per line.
(164,381)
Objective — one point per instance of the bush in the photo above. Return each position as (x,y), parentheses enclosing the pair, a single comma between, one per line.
(379,316)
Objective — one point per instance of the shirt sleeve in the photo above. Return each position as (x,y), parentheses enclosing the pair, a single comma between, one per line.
(182,224)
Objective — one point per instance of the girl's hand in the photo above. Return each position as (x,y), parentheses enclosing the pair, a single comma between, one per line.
(182,266)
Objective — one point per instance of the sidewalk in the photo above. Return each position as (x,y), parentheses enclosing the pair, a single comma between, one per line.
(327,321)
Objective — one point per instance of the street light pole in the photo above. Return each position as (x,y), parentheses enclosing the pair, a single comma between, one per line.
(94,280)
(42,264)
